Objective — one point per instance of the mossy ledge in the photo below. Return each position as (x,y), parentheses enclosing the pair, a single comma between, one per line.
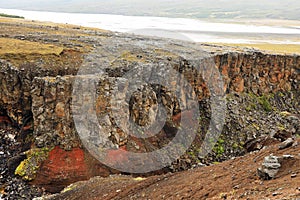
(29,167)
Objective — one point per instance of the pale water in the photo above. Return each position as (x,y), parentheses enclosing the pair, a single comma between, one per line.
(177,28)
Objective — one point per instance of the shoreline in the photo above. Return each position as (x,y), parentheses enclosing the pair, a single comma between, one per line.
(249,31)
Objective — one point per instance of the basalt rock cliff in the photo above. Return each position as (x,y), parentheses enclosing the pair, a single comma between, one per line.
(48,73)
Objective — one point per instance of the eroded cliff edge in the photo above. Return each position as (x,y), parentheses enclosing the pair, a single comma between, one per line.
(39,70)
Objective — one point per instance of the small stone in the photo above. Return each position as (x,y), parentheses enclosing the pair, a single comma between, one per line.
(11,137)
(1,153)
(293,175)
(275,194)
(287,143)
(288,156)
(236,187)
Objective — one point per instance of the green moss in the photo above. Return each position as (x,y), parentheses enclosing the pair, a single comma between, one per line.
(280,94)
(19,171)
(219,147)
(29,167)
(193,155)
(235,146)
(264,101)
(250,107)
(238,145)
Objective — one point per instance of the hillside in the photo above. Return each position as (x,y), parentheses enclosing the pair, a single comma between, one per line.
(234,179)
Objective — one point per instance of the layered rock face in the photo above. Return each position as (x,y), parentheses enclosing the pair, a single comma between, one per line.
(102,111)
(14,93)
(52,96)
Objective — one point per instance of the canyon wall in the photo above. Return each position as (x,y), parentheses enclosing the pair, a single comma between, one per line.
(46,98)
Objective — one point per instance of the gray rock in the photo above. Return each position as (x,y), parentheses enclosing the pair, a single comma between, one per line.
(270,168)
(287,143)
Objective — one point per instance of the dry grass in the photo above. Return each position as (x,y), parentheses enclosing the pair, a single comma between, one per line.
(49,27)
(15,46)
(275,48)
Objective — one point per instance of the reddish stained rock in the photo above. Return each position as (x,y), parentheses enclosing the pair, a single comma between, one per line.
(66,167)
(117,156)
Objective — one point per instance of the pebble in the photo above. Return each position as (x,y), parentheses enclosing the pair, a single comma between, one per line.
(236,187)
(287,143)
(293,175)
(275,194)
(288,156)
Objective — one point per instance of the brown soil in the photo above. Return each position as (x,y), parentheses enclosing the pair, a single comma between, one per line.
(233,179)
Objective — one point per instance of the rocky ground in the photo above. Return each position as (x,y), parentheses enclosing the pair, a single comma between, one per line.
(11,186)
(257,121)
(234,179)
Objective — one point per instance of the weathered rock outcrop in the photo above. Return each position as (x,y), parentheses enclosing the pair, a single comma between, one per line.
(46,96)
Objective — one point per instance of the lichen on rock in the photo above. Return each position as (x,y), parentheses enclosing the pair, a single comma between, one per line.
(29,167)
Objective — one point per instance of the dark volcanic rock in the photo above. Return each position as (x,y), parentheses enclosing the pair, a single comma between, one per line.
(261,89)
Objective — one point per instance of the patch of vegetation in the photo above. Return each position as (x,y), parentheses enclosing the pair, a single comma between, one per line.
(277,48)
(264,101)
(235,145)
(11,16)
(15,46)
(29,167)
(250,107)
(219,147)
(193,155)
